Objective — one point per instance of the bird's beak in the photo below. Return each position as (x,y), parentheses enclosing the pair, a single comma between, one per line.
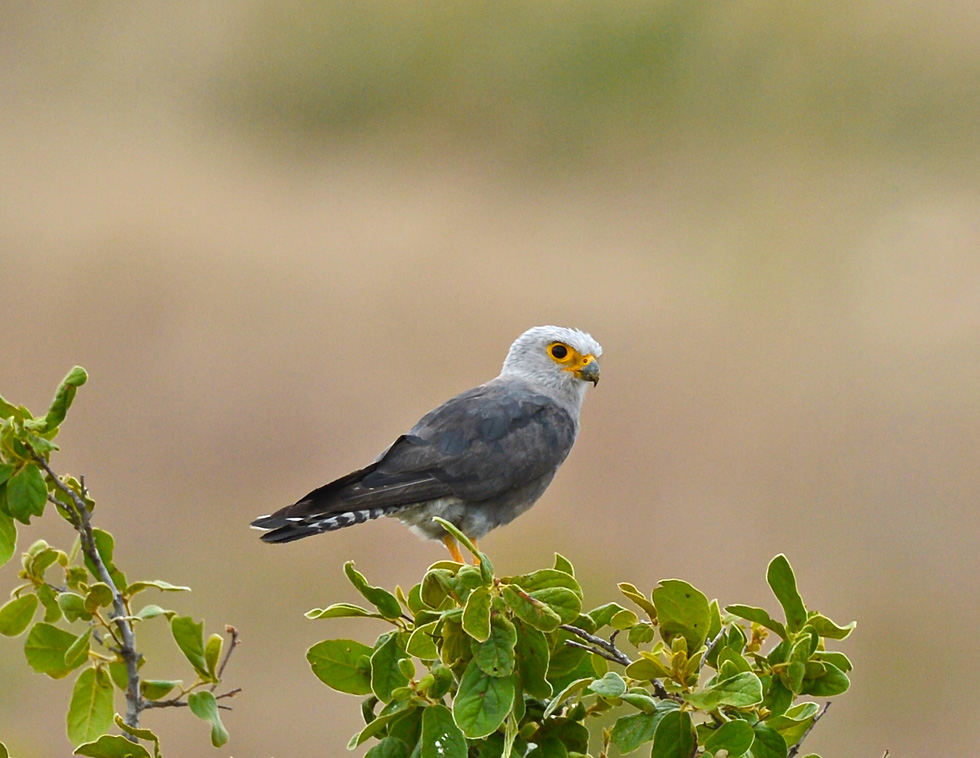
(587,369)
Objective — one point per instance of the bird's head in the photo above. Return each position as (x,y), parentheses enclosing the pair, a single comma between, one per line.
(557,357)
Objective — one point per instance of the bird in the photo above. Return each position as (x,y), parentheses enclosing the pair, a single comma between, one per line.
(478,460)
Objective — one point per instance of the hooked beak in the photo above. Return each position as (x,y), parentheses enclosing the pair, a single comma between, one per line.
(588,369)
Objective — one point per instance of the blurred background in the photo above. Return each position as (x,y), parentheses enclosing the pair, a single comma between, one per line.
(276,234)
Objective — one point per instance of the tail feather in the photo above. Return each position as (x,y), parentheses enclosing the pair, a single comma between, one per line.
(284,529)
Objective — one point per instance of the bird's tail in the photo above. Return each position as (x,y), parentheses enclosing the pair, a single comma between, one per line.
(281,527)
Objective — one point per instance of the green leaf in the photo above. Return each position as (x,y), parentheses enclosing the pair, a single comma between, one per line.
(495,656)
(529,610)
(794,723)
(154,689)
(532,655)
(145,584)
(783,583)
(630,732)
(572,688)
(389,747)
(6,471)
(152,611)
(611,685)
(648,667)
(90,711)
(421,644)
(641,634)
(549,747)
(758,616)
(189,637)
(8,535)
(563,564)
(545,579)
(564,602)
(337,663)
(827,628)
(675,736)
(52,611)
(386,675)
(639,598)
(26,493)
(379,597)
(682,610)
(833,682)
(459,536)
(641,700)
(73,606)
(604,614)
(63,398)
(45,649)
(99,596)
(140,734)
(112,746)
(742,690)
(840,660)
(212,652)
(441,737)
(734,736)
(204,706)
(3,751)
(341,610)
(768,743)
(482,702)
(77,654)
(17,615)
(105,546)
(476,614)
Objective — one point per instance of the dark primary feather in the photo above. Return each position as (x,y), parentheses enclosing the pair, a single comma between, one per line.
(481,444)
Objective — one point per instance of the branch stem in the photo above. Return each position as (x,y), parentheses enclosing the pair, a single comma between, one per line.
(119,616)
(819,715)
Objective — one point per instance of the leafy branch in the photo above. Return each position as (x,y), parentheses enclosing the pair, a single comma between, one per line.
(95,595)
(477,664)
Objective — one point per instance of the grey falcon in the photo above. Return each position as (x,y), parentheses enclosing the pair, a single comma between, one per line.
(479,460)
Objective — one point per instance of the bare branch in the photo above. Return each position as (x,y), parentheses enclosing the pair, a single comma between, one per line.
(614,653)
(179,702)
(224,661)
(119,616)
(711,646)
(796,748)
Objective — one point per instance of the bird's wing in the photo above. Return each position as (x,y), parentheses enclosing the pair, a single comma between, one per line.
(484,442)
(480,444)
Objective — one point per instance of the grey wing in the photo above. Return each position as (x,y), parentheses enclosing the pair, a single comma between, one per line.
(478,445)
(481,444)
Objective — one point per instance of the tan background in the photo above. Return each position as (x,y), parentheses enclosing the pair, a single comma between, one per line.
(277,235)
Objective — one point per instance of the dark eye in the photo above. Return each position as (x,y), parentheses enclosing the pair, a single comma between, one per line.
(559,351)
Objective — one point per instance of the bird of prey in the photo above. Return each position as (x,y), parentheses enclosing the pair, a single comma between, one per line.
(477,461)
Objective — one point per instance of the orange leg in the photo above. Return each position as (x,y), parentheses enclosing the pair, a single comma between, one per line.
(453,548)
(476,560)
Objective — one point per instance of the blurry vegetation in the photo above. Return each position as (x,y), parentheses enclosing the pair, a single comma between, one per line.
(557,78)
(513,666)
(89,613)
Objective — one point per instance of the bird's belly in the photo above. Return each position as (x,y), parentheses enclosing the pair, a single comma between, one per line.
(474,518)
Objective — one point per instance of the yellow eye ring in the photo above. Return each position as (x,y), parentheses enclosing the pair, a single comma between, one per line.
(559,351)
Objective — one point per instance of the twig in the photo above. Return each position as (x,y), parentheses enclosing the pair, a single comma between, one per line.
(176,702)
(224,661)
(607,649)
(796,748)
(711,646)
(127,648)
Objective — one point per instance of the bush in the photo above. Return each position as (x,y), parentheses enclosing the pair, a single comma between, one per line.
(512,666)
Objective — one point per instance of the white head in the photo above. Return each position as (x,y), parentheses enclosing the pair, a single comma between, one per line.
(555,358)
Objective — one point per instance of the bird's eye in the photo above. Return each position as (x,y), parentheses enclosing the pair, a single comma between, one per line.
(558,351)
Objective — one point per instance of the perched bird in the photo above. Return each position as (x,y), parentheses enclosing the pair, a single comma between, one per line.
(478,461)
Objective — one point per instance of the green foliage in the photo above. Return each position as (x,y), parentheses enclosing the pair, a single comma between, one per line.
(90,618)
(480,665)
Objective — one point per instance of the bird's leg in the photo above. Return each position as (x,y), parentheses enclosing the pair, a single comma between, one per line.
(453,548)
(476,558)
